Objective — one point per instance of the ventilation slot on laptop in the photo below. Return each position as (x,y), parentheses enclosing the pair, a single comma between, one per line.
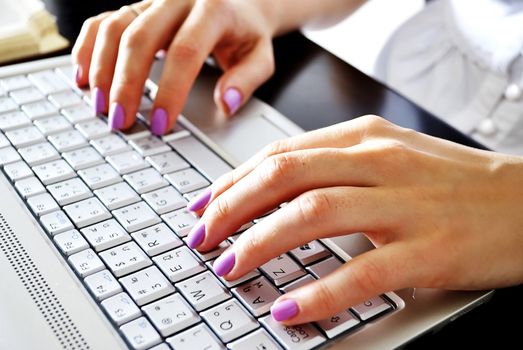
(43,296)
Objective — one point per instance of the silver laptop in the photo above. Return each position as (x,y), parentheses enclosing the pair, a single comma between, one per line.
(92,228)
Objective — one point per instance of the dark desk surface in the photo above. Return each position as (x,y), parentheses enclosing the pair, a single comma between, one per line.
(315,89)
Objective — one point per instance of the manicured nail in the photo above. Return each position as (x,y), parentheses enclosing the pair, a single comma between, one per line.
(159,121)
(224,264)
(233,99)
(196,236)
(284,310)
(77,74)
(116,116)
(200,200)
(99,101)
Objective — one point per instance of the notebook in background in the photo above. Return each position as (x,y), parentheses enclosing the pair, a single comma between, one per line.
(27,29)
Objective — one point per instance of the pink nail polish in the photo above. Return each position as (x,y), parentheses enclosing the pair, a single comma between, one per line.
(284,310)
(196,236)
(232,99)
(224,264)
(116,116)
(77,74)
(200,201)
(99,101)
(159,121)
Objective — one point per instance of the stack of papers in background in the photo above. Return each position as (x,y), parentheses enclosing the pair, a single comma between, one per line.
(27,29)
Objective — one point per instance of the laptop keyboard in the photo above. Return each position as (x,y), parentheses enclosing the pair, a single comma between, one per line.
(114,204)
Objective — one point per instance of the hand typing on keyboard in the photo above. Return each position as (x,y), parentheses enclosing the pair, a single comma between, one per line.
(441,215)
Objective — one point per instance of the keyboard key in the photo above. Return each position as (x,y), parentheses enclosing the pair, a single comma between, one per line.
(67,141)
(26,95)
(198,337)
(150,145)
(65,99)
(337,324)
(156,239)
(30,186)
(257,295)
(371,308)
(13,120)
(17,171)
(310,253)
(187,180)
(48,82)
(171,314)
(165,200)
(136,216)
(229,320)
(147,285)
(304,336)
(39,153)
(117,195)
(234,283)
(52,125)
(140,334)
(83,158)
(86,262)
(39,109)
(201,157)
(109,145)
(121,308)
(69,191)
(14,83)
(93,128)
(99,176)
(216,252)
(258,340)
(7,105)
(103,285)
(127,162)
(282,269)
(168,162)
(42,204)
(25,136)
(56,222)
(298,283)
(203,290)
(179,264)
(55,171)
(323,268)
(8,155)
(145,180)
(87,212)
(124,259)
(78,113)
(180,221)
(70,242)
(137,131)
(105,235)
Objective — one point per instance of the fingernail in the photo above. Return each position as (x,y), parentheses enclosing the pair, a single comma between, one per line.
(99,101)
(159,121)
(284,310)
(77,74)
(196,236)
(224,264)
(116,116)
(233,99)
(200,200)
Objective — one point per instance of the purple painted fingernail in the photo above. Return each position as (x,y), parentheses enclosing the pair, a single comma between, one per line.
(233,99)
(116,116)
(99,101)
(200,200)
(284,310)
(196,236)
(224,264)
(159,121)
(77,74)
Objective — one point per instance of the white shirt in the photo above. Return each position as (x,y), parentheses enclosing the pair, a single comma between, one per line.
(462,60)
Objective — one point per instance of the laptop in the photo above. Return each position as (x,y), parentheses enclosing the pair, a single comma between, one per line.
(92,228)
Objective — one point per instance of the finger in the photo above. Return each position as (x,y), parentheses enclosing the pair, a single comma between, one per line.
(83,48)
(370,274)
(277,180)
(185,57)
(316,214)
(141,40)
(340,135)
(239,81)
(105,53)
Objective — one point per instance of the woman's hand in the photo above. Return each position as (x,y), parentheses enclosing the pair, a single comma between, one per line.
(440,214)
(115,51)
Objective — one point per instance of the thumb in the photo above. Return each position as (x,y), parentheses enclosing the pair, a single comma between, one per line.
(362,278)
(239,80)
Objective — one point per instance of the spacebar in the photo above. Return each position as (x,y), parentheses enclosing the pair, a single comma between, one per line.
(202,158)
